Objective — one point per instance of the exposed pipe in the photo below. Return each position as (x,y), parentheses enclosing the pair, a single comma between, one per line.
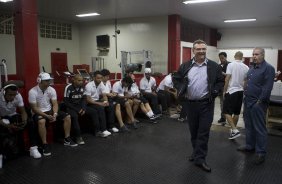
(116,36)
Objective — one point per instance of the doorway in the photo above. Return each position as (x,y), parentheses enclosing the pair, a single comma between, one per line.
(59,63)
(186,54)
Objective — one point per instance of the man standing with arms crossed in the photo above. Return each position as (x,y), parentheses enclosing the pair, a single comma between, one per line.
(236,74)
(259,84)
(205,81)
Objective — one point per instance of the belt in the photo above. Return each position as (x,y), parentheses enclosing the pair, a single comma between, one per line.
(200,100)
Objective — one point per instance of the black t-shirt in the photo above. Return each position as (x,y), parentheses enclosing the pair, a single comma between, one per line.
(224,66)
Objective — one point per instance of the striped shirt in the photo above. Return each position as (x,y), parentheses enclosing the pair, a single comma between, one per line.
(197,81)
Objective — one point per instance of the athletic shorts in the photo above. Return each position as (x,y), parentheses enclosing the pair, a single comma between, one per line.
(232,103)
(61,116)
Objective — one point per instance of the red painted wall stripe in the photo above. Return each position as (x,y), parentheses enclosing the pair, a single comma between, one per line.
(173,42)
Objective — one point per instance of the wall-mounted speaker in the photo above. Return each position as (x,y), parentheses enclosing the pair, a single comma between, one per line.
(218,36)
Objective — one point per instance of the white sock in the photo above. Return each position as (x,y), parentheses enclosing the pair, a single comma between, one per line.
(33,147)
(148,114)
(235,130)
(151,113)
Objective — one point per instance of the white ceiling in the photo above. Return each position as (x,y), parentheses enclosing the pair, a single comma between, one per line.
(267,12)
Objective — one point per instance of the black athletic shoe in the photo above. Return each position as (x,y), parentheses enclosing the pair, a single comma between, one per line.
(46,150)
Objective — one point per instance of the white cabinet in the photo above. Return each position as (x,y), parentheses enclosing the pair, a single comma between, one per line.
(277,89)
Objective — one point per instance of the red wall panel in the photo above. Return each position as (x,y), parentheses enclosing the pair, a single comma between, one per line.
(173,42)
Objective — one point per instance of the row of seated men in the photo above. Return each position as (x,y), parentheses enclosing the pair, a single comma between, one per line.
(100,101)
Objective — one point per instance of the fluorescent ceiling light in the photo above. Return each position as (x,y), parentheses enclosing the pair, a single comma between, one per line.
(5,1)
(200,1)
(87,14)
(239,20)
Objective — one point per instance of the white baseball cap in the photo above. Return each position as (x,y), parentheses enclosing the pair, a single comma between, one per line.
(147,70)
(45,76)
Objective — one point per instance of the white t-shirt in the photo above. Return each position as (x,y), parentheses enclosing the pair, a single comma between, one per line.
(117,88)
(94,91)
(43,100)
(108,87)
(10,108)
(147,85)
(167,81)
(134,90)
(238,71)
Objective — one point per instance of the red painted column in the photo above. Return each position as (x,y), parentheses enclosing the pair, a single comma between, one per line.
(26,41)
(173,42)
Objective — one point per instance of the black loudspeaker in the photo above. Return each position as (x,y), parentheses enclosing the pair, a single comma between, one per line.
(218,36)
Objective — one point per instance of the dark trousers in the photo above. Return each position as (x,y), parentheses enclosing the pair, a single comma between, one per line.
(11,142)
(32,133)
(183,112)
(255,124)
(164,99)
(92,113)
(222,116)
(200,117)
(102,123)
(153,101)
(110,115)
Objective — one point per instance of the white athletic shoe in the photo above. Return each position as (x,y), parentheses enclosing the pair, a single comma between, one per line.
(33,152)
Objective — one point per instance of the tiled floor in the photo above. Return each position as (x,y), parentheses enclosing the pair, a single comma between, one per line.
(152,154)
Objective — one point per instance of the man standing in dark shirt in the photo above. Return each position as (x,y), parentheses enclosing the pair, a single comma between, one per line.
(223,63)
(257,95)
(204,83)
(75,102)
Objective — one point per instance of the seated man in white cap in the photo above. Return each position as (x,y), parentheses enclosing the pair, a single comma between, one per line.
(148,89)
(43,101)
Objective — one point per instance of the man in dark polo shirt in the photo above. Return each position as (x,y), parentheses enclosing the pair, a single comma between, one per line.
(75,102)
(223,63)
(205,81)
(257,95)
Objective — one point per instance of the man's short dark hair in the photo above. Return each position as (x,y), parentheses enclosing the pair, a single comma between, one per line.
(129,70)
(105,72)
(128,80)
(223,54)
(97,73)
